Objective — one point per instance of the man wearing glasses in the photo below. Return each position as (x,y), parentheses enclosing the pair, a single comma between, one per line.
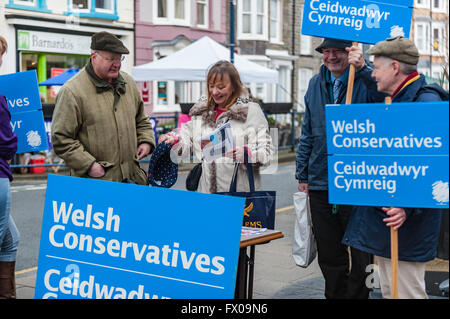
(99,125)
(344,273)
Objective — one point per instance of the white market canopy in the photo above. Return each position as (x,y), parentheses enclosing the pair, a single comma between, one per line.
(192,63)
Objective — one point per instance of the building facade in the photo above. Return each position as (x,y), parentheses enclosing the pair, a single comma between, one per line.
(166,26)
(53,35)
(430,33)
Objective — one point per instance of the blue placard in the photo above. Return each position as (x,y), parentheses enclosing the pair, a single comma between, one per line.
(104,239)
(362,21)
(30,130)
(24,103)
(21,90)
(388,155)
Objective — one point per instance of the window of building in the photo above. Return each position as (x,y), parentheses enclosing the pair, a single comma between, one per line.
(102,9)
(275,21)
(422,37)
(34,5)
(176,12)
(305,45)
(80,5)
(421,4)
(53,64)
(439,5)
(304,75)
(26,2)
(438,39)
(202,13)
(252,19)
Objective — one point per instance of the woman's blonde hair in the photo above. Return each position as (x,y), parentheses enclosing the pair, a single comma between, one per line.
(3,45)
(216,73)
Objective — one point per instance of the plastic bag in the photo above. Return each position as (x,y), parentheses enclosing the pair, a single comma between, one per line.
(304,245)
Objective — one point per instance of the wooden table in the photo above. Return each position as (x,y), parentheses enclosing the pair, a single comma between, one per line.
(244,285)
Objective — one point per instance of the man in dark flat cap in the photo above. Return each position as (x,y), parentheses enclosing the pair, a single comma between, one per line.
(99,125)
(395,70)
(329,86)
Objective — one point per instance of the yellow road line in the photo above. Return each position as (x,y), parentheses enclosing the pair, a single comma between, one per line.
(24,271)
(279,210)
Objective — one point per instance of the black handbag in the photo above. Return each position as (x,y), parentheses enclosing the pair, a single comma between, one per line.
(193,177)
(259,211)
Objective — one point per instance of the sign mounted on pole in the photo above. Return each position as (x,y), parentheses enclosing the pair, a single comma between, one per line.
(388,155)
(364,21)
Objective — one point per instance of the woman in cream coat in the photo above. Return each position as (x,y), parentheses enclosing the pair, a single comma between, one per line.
(226,101)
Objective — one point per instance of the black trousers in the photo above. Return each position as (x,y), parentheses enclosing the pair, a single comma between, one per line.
(344,274)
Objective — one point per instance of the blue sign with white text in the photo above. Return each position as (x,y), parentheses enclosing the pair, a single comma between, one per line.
(388,155)
(24,103)
(108,240)
(365,21)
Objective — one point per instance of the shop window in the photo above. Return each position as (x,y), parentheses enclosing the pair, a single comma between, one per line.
(52,65)
(33,5)
(102,9)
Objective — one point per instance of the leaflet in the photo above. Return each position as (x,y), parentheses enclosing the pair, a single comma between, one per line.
(217,143)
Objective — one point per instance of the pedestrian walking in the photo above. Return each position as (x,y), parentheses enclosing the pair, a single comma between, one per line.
(9,235)
(227,101)
(368,230)
(99,125)
(329,86)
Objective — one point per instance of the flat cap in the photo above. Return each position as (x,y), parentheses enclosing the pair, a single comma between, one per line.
(106,41)
(333,43)
(398,48)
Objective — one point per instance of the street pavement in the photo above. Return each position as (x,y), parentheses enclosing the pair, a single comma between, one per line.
(276,276)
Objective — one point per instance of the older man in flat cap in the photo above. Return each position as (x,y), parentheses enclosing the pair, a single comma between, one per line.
(329,221)
(418,229)
(99,125)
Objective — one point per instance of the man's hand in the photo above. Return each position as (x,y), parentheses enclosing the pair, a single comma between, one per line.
(96,170)
(355,57)
(143,150)
(397,216)
(303,187)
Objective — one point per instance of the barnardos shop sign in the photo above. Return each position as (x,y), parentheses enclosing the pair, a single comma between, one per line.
(52,42)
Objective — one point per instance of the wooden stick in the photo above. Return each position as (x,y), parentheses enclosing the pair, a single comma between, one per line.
(351,80)
(394,245)
(394,262)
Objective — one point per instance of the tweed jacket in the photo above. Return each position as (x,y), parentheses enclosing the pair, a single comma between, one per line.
(249,128)
(96,122)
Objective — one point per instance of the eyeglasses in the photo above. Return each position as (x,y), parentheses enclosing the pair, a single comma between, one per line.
(111,60)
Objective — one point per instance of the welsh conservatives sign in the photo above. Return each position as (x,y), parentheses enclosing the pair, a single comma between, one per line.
(24,103)
(106,240)
(364,21)
(388,155)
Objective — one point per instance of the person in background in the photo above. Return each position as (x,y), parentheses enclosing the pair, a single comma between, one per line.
(9,235)
(227,101)
(368,230)
(99,125)
(329,86)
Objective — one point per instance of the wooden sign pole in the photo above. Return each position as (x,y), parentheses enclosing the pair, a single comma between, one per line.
(394,246)
(351,80)
(394,232)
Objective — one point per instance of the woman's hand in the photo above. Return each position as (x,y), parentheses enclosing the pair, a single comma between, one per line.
(168,139)
(237,154)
